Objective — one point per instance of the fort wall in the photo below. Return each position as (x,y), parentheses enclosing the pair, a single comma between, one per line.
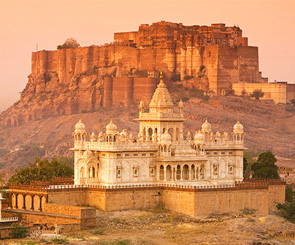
(75,198)
(179,201)
(125,91)
(278,92)
(231,201)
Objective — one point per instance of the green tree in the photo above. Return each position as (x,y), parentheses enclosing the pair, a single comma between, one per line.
(265,166)
(289,194)
(42,170)
(69,43)
(257,94)
(287,209)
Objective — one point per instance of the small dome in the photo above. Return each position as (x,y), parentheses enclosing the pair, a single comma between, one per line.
(238,128)
(111,128)
(199,138)
(206,127)
(80,127)
(166,138)
(88,154)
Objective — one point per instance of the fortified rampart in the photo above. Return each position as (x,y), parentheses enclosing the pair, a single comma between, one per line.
(73,80)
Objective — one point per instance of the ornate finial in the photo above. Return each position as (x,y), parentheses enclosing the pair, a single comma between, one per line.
(141,105)
(180,104)
(161,75)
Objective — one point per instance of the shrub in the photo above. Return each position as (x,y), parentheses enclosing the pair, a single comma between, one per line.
(59,240)
(19,231)
(248,211)
(69,43)
(287,210)
(257,94)
(141,73)
(175,78)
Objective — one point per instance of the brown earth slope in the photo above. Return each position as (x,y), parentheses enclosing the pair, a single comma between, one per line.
(267,126)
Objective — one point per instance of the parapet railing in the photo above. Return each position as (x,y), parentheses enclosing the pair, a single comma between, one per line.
(239,185)
(8,219)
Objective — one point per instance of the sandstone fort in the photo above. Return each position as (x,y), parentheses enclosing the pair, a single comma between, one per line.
(216,59)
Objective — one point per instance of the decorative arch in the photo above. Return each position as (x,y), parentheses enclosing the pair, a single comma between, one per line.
(193,172)
(178,172)
(161,172)
(168,173)
(185,172)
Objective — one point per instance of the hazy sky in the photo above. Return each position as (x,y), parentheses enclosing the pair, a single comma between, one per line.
(269,24)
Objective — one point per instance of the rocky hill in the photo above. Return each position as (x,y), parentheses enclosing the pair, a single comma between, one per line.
(267,126)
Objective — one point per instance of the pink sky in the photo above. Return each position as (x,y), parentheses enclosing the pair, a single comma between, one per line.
(268,24)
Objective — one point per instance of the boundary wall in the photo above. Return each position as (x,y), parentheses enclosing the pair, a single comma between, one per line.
(191,200)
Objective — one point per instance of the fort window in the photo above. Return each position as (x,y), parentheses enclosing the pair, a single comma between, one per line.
(151,154)
(135,155)
(118,155)
(215,169)
(118,171)
(215,153)
(230,153)
(209,54)
(223,153)
(207,153)
(143,154)
(230,169)
(126,155)
(152,171)
(135,171)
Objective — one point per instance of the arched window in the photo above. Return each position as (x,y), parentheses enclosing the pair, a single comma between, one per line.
(168,173)
(178,172)
(185,172)
(193,172)
(177,135)
(161,172)
(150,132)
(171,132)
(82,172)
